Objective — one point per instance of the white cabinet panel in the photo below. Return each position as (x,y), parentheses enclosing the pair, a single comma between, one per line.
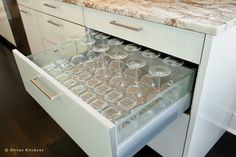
(5,29)
(177,42)
(32,30)
(214,96)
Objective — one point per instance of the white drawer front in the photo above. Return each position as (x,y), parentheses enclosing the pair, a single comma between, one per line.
(177,42)
(70,12)
(90,130)
(57,30)
(32,29)
(26,3)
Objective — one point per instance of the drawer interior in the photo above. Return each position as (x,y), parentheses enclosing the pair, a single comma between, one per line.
(150,107)
(138,120)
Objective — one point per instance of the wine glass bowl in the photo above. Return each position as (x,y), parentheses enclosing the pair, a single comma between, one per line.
(159,71)
(132,48)
(135,91)
(173,63)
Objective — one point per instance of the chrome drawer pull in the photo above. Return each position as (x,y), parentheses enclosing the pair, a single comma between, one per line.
(54,23)
(125,26)
(25,12)
(51,97)
(50,6)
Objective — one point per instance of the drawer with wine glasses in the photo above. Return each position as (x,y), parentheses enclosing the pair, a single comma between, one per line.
(110,96)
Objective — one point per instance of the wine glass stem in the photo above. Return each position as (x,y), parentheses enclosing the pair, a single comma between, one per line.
(158,84)
(172,74)
(90,49)
(136,75)
(149,62)
(103,59)
(119,67)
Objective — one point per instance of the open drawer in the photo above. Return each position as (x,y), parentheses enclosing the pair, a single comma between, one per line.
(89,128)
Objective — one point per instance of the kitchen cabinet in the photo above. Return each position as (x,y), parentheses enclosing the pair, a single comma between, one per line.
(31,25)
(5,29)
(55,22)
(213,98)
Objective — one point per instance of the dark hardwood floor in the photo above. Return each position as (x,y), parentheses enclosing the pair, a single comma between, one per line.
(25,125)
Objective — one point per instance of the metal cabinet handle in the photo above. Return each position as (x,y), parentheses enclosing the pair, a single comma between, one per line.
(25,12)
(51,97)
(125,26)
(50,6)
(54,23)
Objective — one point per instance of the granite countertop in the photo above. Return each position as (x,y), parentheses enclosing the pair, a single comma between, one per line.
(206,16)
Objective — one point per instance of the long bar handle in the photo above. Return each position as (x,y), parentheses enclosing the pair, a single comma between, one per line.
(51,97)
(125,26)
(25,12)
(54,23)
(50,6)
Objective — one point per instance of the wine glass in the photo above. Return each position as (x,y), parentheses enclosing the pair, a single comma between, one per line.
(130,72)
(89,65)
(159,71)
(150,55)
(135,90)
(101,47)
(147,80)
(131,49)
(173,63)
(118,80)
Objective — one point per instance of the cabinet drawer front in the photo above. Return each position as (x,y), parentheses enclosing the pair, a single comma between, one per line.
(31,26)
(27,3)
(173,41)
(70,12)
(70,112)
(57,30)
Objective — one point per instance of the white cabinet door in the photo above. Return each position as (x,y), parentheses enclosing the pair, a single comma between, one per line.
(32,30)
(5,29)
